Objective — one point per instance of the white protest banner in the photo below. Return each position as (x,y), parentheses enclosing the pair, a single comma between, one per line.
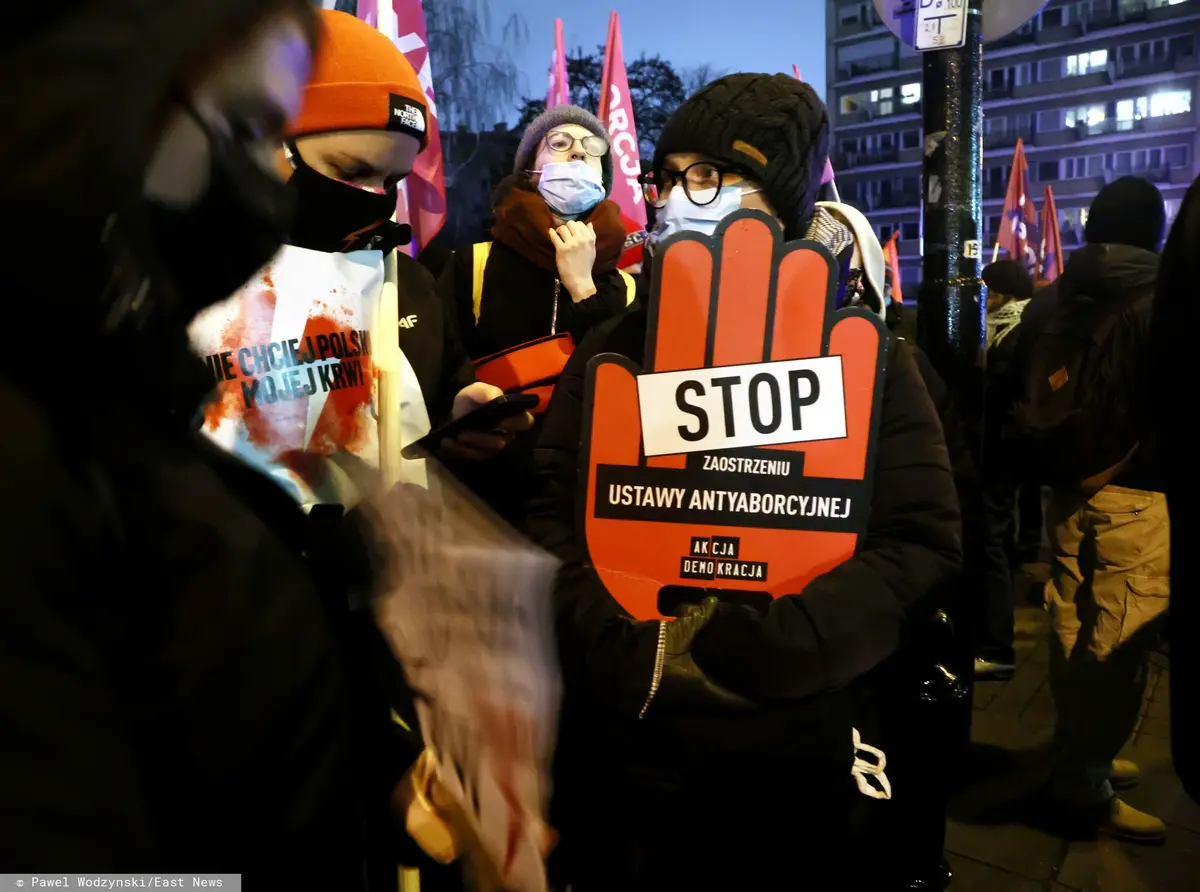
(467,611)
(297,365)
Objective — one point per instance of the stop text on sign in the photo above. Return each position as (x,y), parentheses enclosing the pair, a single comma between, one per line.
(739,406)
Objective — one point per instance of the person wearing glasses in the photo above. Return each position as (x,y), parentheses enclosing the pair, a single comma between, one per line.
(691,794)
(549,274)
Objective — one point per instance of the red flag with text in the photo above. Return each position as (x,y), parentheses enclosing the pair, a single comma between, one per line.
(1018,225)
(422,202)
(559,92)
(1052,253)
(616,111)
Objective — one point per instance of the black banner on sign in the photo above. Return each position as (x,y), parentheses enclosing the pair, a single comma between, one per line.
(670,495)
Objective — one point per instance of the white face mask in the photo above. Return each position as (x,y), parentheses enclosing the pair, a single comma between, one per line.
(570,188)
(682,214)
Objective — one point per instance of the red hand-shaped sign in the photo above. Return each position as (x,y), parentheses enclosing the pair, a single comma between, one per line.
(739,459)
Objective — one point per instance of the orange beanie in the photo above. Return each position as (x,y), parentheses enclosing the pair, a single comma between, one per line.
(360,81)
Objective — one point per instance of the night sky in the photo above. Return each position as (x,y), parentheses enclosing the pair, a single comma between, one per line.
(767,35)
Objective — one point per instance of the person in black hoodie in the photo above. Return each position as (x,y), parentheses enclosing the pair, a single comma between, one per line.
(741,770)
(1010,289)
(1109,531)
(174,695)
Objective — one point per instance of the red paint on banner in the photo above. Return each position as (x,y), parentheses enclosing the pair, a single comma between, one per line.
(272,383)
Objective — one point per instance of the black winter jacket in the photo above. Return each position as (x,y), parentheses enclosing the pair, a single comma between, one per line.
(1117,275)
(804,646)
(517,306)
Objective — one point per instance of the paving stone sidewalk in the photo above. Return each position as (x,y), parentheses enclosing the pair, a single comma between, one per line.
(999,838)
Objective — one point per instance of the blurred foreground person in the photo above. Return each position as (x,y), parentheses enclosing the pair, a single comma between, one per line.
(1172,332)
(740,769)
(172,696)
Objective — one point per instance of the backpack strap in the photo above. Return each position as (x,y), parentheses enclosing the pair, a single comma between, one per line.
(630,286)
(480,253)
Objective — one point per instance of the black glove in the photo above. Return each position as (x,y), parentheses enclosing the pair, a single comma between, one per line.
(683,684)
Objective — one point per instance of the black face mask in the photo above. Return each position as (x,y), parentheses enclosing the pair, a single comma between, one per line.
(334,217)
(213,247)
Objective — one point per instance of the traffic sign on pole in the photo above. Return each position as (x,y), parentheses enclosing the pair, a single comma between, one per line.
(941,25)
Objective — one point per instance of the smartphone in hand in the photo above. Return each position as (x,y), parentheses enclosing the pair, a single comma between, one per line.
(482,420)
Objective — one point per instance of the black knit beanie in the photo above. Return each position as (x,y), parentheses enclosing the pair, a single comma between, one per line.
(1008,277)
(771,127)
(1128,211)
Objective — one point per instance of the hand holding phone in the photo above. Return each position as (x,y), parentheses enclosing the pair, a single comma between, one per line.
(478,433)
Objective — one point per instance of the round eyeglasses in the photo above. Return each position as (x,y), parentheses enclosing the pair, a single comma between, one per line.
(701,181)
(561,141)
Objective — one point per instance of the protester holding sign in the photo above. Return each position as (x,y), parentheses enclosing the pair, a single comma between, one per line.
(361,127)
(733,734)
(174,694)
(524,300)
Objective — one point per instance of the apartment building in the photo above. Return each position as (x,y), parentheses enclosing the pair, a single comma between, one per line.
(1096,89)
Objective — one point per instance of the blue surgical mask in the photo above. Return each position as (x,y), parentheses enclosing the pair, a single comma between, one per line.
(570,188)
(682,214)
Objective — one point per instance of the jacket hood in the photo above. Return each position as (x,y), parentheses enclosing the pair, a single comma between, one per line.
(1107,272)
(83,93)
(86,85)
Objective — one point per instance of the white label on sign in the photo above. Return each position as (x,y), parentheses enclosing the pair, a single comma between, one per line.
(941,24)
(971,249)
(736,406)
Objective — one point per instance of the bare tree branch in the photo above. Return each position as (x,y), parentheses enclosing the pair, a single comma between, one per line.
(475,81)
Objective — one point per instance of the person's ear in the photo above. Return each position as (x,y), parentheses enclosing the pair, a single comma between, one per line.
(283,166)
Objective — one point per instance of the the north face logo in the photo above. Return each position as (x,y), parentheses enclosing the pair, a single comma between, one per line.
(406,115)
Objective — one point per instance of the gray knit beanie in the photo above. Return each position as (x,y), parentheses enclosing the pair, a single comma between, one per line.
(557,117)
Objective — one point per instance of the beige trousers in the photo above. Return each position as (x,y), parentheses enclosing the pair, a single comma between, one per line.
(1107,594)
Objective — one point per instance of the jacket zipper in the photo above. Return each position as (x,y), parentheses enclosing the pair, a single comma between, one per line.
(554,312)
(660,654)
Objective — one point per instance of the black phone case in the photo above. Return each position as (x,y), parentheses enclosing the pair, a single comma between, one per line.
(482,419)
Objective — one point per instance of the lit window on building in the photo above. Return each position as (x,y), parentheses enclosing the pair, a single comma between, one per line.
(882,101)
(910,94)
(1090,115)
(1170,102)
(1086,63)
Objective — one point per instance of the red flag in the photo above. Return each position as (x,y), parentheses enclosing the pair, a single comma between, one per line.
(616,111)
(1052,254)
(827,175)
(891,253)
(560,89)
(1018,225)
(422,201)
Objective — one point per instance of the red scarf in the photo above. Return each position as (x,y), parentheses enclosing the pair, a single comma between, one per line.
(523,222)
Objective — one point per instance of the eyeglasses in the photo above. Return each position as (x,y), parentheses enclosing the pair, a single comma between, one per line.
(561,141)
(702,176)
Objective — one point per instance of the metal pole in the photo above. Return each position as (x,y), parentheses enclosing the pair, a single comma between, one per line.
(950,322)
(950,329)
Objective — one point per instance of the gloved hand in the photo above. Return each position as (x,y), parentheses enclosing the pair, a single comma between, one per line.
(681,683)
